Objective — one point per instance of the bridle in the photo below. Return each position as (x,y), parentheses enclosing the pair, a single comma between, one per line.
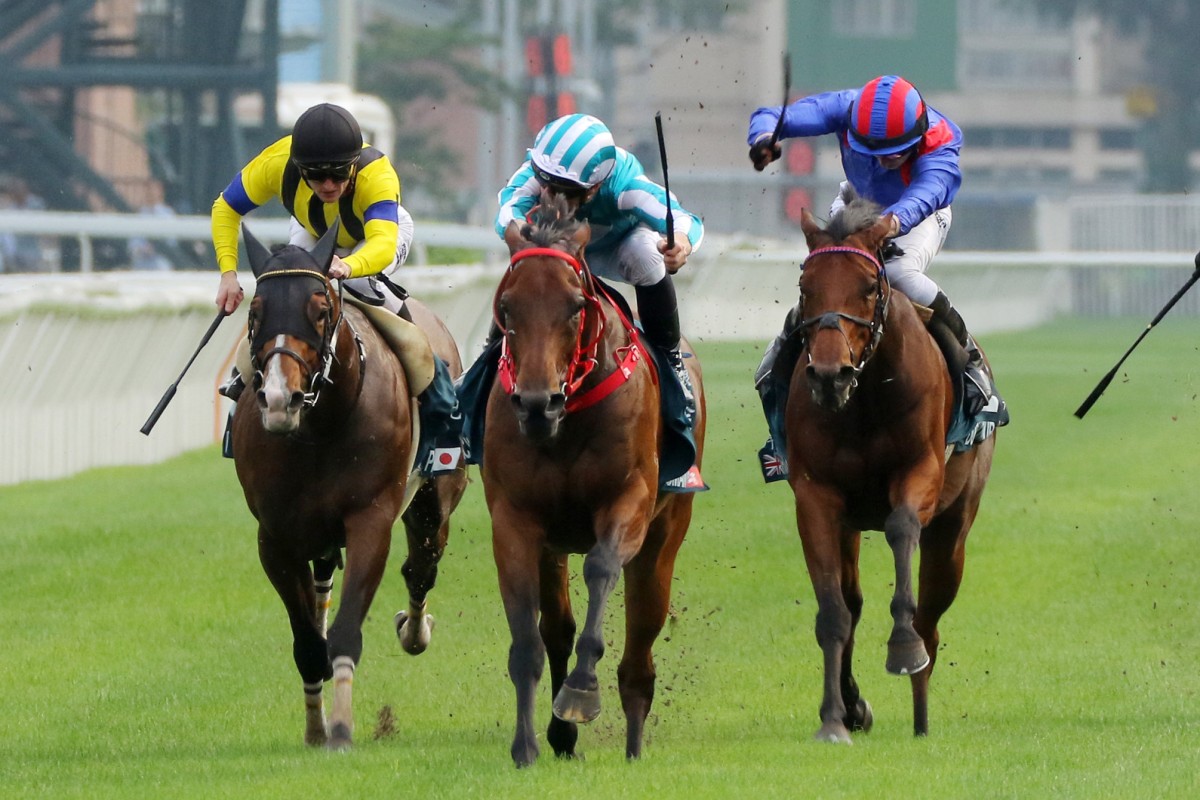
(584,354)
(317,378)
(832,319)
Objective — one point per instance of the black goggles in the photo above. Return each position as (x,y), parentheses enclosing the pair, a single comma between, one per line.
(318,173)
(564,185)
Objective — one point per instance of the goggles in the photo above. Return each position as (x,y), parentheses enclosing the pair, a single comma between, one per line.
(559,184)
(318,173)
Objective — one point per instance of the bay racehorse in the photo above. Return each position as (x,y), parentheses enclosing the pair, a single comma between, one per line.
(866,424)
(323,447)
(571,465)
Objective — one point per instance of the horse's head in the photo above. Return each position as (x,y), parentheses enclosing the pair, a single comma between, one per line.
(844,294)
(542,306)
(293,317)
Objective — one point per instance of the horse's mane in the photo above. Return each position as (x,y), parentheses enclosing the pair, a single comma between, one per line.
(551,223)
(857,214)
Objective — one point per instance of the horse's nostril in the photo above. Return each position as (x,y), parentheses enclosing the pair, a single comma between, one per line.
(558,401)
(297,400)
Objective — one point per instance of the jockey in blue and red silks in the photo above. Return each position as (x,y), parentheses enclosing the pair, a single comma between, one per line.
(898,152)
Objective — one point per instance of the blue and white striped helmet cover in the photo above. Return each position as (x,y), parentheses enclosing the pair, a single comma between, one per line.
(578,148)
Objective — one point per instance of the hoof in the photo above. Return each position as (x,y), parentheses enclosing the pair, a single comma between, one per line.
(906,658)
(414,638)
(862,719)
(834,733)
(339,738)
(524,755)
(314,738)
(577,705)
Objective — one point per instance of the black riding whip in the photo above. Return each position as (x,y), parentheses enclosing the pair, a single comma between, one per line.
(1107,379)
(170,393)
(787,90)
(662,155)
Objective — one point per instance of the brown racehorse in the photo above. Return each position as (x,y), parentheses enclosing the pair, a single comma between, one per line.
(570,465)
(322,442)
(866,444)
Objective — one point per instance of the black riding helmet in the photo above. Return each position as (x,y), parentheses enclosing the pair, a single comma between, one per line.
(326,138)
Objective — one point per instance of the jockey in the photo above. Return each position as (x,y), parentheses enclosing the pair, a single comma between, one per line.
(576,156)
(897,152)
(323,173)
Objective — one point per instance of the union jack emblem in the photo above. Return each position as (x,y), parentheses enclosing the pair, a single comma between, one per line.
(774,466)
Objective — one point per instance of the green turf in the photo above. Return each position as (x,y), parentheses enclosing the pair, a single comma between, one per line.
(146,655)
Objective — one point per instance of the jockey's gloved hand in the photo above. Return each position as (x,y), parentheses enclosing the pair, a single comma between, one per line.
(763,152)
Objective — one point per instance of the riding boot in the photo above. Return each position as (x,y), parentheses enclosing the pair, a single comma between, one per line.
(976,387)
(440,448)
(659,313)
(232,388)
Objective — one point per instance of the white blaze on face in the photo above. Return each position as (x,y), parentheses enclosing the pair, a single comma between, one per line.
(277,417)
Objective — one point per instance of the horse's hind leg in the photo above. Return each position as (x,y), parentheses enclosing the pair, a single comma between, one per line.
(323,570)
(647,603)
(293,581)
(368,537)
(427,525)
(858,710)
(557,628)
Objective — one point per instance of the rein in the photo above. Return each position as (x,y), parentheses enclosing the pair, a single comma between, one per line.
(831,319)
(318,379)
(584,357)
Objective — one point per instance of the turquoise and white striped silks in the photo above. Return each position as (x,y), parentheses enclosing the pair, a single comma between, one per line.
(578,148)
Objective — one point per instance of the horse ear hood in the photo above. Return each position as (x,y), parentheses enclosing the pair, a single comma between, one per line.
(258,254)
(322,251)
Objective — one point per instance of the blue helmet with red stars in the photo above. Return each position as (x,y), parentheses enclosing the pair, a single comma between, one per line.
(888,117)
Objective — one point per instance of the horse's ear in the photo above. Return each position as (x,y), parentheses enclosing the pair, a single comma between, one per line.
(581,236)
(512,236)
(874,236)
(256,251)
(808,223)
(322,251)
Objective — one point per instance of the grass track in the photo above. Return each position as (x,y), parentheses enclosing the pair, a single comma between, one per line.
(147,656)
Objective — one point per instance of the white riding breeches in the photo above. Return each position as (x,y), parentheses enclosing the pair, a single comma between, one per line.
(635,260)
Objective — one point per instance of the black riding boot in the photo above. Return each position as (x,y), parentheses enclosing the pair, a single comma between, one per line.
(949,317)
(659,313)
(233,387)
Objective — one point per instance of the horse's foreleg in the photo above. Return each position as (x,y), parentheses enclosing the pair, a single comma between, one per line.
(293,581)
(516,548)
(943,553)
(906,651)
(557,628)
(647,603)
(579,698)
(368,536)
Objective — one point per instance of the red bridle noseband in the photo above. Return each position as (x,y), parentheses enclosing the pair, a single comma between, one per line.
(584,357)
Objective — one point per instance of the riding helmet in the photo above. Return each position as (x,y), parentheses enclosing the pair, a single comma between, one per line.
(887,117)
(326,135)
(577,150)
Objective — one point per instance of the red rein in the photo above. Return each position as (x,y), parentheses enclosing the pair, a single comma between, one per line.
(583,359)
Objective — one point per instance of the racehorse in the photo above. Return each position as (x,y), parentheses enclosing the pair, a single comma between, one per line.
(571,465)
(866,424)
(323,446)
